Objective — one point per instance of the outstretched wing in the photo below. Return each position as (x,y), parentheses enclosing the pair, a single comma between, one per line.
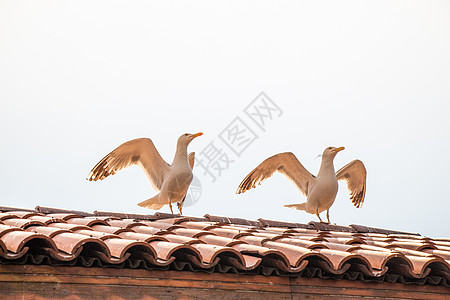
(355,175)
(141,152)
(191,159)
(285,163)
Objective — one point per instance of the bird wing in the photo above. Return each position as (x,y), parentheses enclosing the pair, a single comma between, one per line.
(355,175)
(191,159)
(141,152)
(285,163)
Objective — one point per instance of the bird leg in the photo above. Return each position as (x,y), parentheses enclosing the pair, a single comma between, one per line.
(328,216)
(170,205)
(317,214)
(180,204)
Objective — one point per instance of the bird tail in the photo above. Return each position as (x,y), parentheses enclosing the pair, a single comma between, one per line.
(301,206)
(152,203)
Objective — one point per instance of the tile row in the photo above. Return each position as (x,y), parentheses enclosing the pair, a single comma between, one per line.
(190,243)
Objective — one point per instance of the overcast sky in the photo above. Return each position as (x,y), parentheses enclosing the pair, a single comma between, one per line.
(78,78)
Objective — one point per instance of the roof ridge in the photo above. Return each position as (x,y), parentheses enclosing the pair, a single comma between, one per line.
(214,218)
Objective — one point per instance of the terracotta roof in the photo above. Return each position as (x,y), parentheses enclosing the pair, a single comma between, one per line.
(59,237)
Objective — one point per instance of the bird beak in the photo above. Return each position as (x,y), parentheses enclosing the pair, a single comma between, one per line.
(197,134)
(339,149)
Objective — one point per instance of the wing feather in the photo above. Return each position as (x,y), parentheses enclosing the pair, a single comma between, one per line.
(354,173)
(141,152)
(191,159)
(285,163)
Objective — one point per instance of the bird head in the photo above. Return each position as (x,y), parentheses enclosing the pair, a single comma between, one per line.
(331,152)
(186,138)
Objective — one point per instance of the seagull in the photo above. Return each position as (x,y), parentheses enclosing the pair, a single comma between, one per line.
(320,191)
(171,181)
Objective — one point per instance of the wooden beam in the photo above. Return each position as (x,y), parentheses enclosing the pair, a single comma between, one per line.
(31,282)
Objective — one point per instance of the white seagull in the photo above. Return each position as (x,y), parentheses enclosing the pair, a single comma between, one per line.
(320,191)
(172,181)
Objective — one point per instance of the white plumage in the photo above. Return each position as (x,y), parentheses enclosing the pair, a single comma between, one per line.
(320,191)
(172,181)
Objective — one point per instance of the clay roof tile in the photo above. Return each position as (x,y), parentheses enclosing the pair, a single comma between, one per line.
(217,244)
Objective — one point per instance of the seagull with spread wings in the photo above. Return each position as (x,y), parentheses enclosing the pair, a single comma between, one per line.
(172,181)
(320,191)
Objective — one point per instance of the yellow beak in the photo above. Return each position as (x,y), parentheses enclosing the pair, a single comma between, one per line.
(339,149)
(197,134)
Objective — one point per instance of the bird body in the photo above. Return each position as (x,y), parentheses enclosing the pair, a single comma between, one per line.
(324,189)
(172,181)
(176,184)
(320,191)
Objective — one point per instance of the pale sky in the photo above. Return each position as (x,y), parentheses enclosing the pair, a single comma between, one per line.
(78,78)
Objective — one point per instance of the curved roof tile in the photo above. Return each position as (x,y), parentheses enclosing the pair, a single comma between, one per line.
(221,244)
